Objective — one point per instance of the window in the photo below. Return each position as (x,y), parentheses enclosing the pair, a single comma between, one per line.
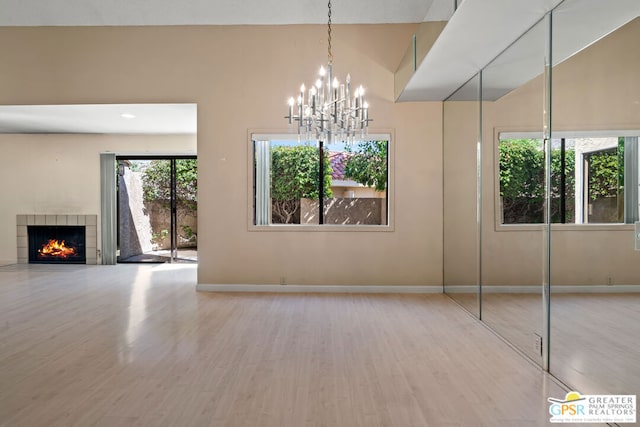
(288,172)
(594,178)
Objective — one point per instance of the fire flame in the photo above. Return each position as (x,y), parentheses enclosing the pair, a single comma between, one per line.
(56,248)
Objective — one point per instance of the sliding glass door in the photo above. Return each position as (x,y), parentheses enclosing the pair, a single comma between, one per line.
(157,209)
(186,209)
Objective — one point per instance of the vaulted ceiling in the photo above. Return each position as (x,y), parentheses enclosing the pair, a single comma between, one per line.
(475,34)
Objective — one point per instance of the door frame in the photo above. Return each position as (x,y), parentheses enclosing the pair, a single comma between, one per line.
(173,191)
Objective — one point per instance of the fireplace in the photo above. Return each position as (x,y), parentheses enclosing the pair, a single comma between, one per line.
(58,223)
(57,244)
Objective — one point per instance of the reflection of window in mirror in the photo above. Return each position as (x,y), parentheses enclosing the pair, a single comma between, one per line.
(286,177)
(588,180)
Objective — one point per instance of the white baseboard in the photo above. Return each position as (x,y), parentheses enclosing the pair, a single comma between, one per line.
(4,262)
(467,289)
(376,289)
(523,289)
(537,289)
(596,289)
(460,289)
(486,289)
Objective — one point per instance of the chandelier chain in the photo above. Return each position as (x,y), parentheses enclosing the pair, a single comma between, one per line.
(329,53)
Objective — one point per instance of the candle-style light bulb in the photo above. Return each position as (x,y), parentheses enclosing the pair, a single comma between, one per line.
(321,80)
(302,89)
(365,114)
(291,102)
(319,84)
(336,85)
(348,91)
(300,107)
(312,99)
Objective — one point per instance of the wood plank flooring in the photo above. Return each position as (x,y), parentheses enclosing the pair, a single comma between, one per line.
(136,345)
(595,338)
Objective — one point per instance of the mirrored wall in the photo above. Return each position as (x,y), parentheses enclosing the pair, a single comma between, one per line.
(513,91)
(595,269)
(461,223)
(539,223)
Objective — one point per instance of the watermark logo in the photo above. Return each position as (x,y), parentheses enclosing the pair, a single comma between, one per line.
(606,408)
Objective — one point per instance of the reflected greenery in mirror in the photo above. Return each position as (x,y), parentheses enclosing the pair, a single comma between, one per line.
(587,179)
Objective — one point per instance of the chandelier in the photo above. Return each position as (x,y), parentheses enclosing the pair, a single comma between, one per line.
(329,108)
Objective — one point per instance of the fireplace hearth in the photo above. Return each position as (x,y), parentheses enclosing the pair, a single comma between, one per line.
(71,239)
(57,244)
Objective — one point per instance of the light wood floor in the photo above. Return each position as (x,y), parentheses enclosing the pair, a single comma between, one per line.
(595,338)
(137,345)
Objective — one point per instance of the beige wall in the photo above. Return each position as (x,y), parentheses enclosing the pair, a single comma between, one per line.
(60,174)
(596,89)
(240,77)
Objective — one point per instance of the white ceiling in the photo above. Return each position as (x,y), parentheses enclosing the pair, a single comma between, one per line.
(100,118)
(215,12)
(493,34)
(476,33)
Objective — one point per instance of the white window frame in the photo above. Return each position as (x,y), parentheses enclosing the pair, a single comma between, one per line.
(280,136)
(500,134)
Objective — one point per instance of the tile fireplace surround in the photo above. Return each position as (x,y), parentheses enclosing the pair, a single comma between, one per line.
(89,221)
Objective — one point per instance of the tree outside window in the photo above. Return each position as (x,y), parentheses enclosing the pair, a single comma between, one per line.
(286,182)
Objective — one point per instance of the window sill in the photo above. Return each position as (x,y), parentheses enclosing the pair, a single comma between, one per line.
(316,228)
(565,227)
